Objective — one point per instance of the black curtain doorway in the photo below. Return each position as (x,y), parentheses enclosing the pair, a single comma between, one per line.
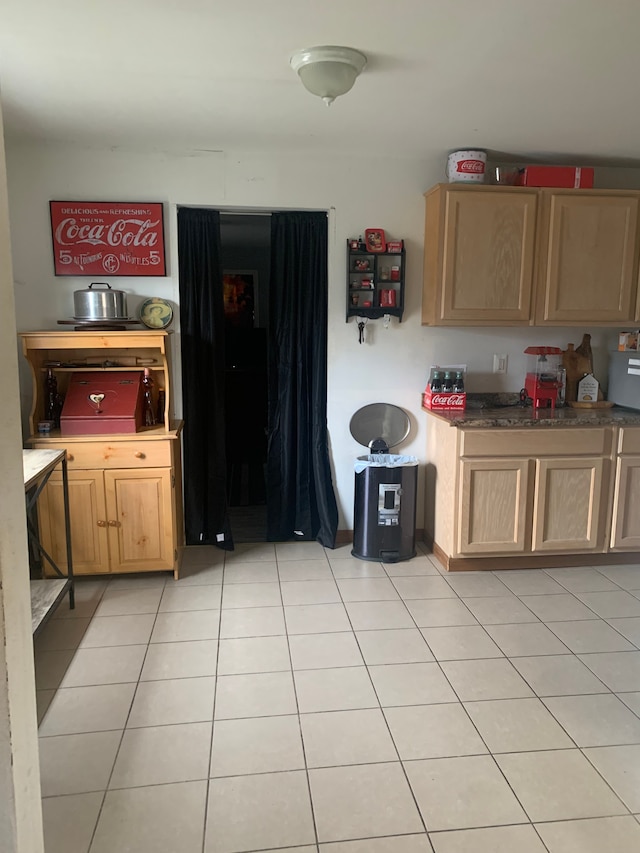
(301,502)
(203,355)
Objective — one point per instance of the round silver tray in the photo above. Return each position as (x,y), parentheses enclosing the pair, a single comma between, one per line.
(102,320)
(100,325)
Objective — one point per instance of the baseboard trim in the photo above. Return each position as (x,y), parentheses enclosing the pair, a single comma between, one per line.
(530,561)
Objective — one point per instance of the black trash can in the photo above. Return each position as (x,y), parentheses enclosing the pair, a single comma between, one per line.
(384,512)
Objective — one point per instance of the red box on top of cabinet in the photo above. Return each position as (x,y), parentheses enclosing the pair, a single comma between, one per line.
(566,177)
(102,403)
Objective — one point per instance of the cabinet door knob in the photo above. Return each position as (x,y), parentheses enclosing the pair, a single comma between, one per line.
(114,524)
(70,457)
(139,454)
(102,524)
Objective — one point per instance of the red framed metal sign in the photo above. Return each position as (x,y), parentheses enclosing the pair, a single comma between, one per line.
(108,238)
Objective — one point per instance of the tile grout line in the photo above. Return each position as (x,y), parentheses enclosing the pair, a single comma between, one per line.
(205,816)
(456,596)
(386,722)
(489,752)
(104,793)
(492,754)
(540,699)
(580,749)
(295,695)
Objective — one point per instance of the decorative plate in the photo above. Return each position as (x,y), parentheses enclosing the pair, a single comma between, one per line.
(156,313)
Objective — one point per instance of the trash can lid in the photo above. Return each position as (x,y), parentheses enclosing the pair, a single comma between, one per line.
(384,460)
(380,420)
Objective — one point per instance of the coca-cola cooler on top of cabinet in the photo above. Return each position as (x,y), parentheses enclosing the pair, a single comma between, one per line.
(467,166)
(445,389)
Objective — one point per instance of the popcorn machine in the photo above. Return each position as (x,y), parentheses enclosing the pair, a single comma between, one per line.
(545,379)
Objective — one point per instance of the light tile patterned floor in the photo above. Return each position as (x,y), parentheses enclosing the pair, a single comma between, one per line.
(286,698)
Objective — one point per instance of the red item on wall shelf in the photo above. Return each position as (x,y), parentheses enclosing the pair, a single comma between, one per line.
(387,298)
(375,240)
(566,177)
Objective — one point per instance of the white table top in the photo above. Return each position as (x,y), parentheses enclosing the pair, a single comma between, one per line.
(37,463)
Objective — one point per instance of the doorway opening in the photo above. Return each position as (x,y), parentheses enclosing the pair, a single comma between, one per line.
(300,501)
(246,258)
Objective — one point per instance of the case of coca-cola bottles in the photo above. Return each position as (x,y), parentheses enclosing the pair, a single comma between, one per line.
(445,389)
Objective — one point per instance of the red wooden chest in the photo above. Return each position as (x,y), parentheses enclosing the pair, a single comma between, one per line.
(102,403)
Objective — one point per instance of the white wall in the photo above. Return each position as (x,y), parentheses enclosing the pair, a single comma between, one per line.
(20,809)
(360,192)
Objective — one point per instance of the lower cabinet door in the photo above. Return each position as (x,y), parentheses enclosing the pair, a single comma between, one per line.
(567,504)
(494,506)
(88,516)
(140,519)
(625,533)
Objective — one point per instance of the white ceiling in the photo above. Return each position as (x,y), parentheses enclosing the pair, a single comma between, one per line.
(547,78)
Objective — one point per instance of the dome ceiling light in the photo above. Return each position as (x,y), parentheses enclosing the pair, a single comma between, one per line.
(328,71)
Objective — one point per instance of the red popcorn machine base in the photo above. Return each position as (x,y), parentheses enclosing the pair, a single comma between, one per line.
(102,404)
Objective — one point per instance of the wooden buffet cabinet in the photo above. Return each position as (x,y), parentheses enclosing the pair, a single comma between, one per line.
(125,491)
(532,497)
(517,256)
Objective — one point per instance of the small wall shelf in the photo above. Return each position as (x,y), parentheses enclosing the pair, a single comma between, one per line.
(375,283)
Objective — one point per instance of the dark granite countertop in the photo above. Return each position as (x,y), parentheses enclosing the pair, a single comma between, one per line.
(486,411)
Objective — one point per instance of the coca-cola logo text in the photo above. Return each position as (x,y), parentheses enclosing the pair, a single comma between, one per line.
(450,400)
(475,166)
(121,232)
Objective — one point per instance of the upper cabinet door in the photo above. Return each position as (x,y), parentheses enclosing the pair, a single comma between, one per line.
(485,252)
(587,258)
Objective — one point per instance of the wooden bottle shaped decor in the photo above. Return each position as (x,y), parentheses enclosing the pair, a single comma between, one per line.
(585,350)
(576,364)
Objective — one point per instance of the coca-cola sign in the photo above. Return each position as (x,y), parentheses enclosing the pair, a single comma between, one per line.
(106,237)
(470,166)
(452,401)
(443,401)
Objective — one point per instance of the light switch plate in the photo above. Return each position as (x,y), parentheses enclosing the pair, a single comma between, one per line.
(500,362)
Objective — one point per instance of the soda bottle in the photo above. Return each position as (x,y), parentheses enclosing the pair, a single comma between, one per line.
(458,385)
(50,395)
(447,384)
(436,382)
(148,415)
(160,407)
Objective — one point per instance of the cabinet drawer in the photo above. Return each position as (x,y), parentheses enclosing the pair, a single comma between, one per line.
(629,441)
(535,442)
(114,454)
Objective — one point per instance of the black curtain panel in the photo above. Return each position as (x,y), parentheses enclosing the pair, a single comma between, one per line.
(203,363)
(301,502)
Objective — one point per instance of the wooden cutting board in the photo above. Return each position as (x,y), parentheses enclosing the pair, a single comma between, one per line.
(591,404)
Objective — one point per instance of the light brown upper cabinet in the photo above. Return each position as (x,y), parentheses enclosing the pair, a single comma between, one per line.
(526,256)
(479,256)
(588,251)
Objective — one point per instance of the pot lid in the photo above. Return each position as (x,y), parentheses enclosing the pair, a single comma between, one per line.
(98,284)
(380,421)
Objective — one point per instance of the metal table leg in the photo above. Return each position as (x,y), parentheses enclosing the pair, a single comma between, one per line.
(67,533)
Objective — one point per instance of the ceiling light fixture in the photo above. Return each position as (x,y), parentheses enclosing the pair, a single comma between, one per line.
(328,71)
